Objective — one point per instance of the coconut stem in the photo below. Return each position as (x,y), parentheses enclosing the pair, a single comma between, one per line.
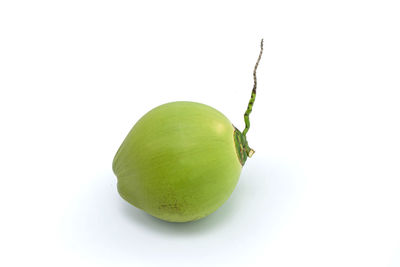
(250,151)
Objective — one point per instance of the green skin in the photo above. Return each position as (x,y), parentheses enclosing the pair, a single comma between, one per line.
(179,162)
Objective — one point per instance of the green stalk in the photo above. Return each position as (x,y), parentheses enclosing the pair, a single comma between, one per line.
(250,151)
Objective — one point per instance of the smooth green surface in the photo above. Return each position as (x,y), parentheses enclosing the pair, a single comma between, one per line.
(179,162)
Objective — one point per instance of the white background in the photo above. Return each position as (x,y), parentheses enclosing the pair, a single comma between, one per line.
(321,190)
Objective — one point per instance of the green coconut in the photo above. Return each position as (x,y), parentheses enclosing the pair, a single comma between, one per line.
(182,160)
